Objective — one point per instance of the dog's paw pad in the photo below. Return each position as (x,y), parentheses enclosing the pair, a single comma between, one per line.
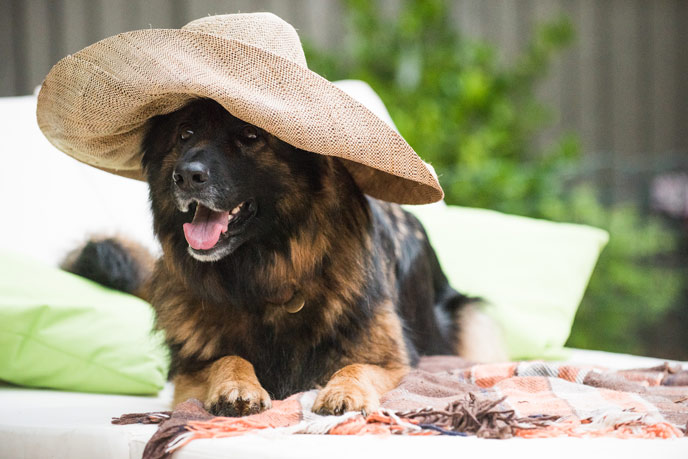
(235,399)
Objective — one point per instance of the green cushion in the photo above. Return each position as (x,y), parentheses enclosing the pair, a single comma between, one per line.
(532,272)
(61,331)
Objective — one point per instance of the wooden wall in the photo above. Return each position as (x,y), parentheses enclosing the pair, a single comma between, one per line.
(623,85)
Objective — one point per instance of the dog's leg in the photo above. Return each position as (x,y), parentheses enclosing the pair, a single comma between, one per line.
(227,387)
(479,336)
(186,386)
(357,387)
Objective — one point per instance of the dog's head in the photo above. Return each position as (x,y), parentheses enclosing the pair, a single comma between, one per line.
(217,182)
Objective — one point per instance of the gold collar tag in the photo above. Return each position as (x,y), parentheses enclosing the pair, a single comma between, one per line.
(295,304)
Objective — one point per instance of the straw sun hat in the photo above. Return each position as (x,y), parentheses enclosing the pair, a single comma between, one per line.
(94,104)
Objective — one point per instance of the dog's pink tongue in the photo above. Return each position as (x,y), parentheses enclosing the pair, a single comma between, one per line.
(205,229)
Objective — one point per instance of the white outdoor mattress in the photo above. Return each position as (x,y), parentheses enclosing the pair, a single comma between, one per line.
(54,424)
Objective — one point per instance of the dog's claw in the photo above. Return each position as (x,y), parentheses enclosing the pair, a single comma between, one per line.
(337,401)
(235,400)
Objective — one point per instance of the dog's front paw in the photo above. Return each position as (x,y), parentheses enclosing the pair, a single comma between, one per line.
(237,398)
(341,397)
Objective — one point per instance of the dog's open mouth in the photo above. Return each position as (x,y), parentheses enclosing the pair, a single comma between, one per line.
(209,226)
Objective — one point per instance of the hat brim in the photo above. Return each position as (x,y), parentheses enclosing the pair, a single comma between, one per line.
(94,105)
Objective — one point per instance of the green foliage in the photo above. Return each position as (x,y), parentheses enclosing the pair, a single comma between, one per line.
(471,118)
(476,120)
(630,292)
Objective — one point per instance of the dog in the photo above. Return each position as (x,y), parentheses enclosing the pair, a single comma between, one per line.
(279,275)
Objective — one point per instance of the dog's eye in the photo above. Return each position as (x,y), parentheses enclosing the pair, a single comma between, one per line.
(249,132)
(186,133)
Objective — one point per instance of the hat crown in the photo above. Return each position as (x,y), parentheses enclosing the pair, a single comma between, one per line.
(262,30)
(95,104)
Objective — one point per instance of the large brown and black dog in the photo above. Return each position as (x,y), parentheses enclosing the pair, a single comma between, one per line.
(279,275)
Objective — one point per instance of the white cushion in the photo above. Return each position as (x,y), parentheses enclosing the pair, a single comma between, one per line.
(51,201)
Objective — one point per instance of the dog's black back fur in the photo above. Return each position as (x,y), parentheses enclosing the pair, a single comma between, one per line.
(107,262)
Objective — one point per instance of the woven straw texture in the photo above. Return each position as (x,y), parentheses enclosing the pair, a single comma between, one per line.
(94,104)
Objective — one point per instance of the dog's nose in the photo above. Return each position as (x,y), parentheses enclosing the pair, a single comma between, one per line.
(191,175)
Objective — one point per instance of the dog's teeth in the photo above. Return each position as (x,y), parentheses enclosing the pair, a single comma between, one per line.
(236,210)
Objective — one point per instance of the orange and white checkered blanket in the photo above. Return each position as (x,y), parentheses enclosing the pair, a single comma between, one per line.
(447,396)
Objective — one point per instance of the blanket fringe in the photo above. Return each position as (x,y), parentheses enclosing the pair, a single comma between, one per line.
(382,422)
(480,417)
(579,429)
(614,423)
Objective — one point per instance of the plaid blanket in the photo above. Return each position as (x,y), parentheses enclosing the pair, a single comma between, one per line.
(448,396)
